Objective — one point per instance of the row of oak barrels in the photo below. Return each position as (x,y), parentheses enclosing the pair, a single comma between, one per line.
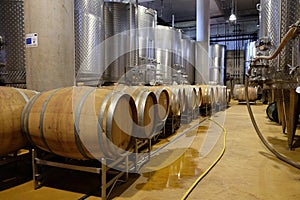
(239,93)
(92,123)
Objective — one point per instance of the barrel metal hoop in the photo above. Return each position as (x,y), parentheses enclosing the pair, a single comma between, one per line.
(189,98)
(168,98)
(23,94)
(201,97)
(25,118)
(100,130)
(182,99)
(138,97)
(76,124)
(41,127)
(109,119)
(141,106)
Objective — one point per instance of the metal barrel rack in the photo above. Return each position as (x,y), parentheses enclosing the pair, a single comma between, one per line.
(103,170)
(14,169)
(187,116)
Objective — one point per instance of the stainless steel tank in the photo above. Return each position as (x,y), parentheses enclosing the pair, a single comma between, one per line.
(89,35)
(142,52)
(128,43)
(188,59)
(12,54)
(217,64)
(276,17)
(167,53)
(163,53)
(192,63)
(147,20)
(177,47)
(117,39)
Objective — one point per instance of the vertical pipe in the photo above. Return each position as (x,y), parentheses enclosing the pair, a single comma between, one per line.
(202,44)
(130,35)
(173,21)
(137,31)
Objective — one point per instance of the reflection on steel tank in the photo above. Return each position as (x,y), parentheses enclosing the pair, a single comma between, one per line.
(188,60)
(217,64)
(89,35)
(122,49)
(167,53)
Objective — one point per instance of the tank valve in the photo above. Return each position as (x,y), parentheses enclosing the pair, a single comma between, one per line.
(292,69)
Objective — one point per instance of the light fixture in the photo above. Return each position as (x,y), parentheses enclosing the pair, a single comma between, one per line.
(232,17)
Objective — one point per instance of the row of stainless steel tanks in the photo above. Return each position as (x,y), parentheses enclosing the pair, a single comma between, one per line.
(121,42)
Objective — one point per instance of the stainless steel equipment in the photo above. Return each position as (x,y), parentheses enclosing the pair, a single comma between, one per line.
(168,53)
(142,69)
(117,39)
(129,39)
(276,17)
(188,60)
(12,53)
(147,19)
(280,74)
(192,63)
(89,37)
(217,64)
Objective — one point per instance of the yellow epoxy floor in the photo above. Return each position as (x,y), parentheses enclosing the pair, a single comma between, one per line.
(246,171)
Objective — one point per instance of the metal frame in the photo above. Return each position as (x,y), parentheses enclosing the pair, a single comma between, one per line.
(103,170)
(141,142)
(140,160)
(14,158)
(12,171)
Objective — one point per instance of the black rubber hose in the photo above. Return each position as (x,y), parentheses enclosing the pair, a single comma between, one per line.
(261,137)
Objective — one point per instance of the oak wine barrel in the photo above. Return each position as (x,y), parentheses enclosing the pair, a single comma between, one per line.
(208,97)
(81,122)
(190,98)
(198,94)
(175,101)
(12,102)
(145,102)
(241,94)
(163,100)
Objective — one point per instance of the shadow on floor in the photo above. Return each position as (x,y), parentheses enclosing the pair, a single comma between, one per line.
(15,171)
(81,182)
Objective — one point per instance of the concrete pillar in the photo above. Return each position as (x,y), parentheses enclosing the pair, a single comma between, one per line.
(202,41)
(51,64)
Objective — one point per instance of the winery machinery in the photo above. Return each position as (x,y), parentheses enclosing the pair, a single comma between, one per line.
(275,61)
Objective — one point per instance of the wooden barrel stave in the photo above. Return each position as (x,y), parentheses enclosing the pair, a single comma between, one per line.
(12,102)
